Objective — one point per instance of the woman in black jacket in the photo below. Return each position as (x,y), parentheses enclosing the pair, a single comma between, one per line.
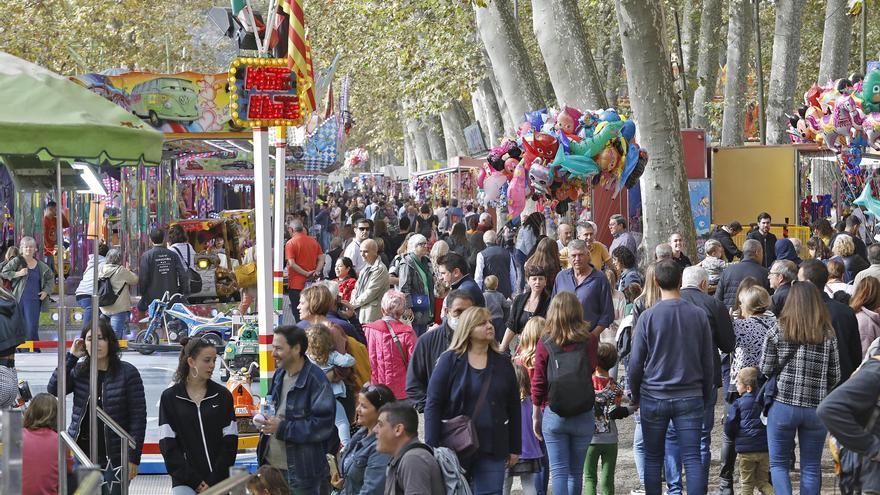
(474,369)
(416,278)
(533,302)
(198,433)
(121,395)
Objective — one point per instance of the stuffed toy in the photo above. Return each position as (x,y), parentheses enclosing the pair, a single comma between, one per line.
(870,93)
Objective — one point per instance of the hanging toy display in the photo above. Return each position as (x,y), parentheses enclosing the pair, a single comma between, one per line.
(558,155)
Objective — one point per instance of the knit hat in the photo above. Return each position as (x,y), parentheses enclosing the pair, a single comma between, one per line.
(8,387)
(414,241)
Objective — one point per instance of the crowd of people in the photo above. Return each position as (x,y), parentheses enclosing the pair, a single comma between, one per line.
(518,353)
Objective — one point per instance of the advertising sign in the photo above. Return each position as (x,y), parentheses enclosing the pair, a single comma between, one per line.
(264,93)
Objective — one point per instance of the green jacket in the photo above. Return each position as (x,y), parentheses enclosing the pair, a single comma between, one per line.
(47,277)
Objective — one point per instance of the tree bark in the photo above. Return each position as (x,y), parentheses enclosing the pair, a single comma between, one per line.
(510,62)
(558,27)
(613,68)
(436,137)
(739,37)
(454,120)
(707,61)
(836,42)
(420,147)
(491,123)
(409,156)
(783,69)
(689,18)
(652,96)
(507,125)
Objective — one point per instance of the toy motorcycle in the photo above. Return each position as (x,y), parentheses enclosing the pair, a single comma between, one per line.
(179,321)
(246,405)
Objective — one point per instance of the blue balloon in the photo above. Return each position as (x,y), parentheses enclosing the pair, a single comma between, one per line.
(629,130)
(536,118)
(609,116)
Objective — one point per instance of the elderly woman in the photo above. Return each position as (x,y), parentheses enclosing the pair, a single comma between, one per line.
(391,343)
(416,282)
(852,263)
(438,251)
(32,282)
(121,278)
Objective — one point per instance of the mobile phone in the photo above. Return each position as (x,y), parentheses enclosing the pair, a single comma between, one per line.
(334,467)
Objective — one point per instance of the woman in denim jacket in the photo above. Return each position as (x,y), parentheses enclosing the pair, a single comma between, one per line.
(362,469)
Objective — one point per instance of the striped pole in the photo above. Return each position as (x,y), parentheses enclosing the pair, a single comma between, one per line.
(297,52)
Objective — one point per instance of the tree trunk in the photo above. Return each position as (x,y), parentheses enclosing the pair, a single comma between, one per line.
(689,19)
(510,62)
(836,42)
(783,69)
(558,27)
(419,140)
(508,127)
(436,137)
(652,96)
(409,156)
(454,120)
(489,115)
(739,37)
(707,61)
(613,68)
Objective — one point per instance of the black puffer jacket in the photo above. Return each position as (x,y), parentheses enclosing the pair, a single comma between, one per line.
(734,274)
(123,400)
(11,324)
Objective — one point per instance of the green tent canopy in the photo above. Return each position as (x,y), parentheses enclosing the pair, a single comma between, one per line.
(47,114)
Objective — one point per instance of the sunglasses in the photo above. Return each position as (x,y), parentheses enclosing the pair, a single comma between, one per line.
(363,228)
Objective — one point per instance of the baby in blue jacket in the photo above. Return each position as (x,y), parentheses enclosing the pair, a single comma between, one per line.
(744,426)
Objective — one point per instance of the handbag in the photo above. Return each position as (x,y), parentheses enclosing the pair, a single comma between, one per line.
(195,280)
(459,433)
(420,302)
(246,275)
(764,397)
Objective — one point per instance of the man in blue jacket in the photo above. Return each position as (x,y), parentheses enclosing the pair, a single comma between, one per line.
(671,373)
(295,440)
(454,270)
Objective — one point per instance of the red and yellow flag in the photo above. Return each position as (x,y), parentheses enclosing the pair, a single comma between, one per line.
(299,54)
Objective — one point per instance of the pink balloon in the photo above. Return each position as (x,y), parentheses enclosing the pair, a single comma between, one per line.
(492,186)
(516,193)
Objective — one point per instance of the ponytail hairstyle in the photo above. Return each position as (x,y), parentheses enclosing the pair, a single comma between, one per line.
(192,347)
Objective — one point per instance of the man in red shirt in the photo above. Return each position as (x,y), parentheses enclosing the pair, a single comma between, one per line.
(304,259)
(50,234)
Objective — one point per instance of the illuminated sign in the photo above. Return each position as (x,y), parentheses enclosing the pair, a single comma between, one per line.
(263,93)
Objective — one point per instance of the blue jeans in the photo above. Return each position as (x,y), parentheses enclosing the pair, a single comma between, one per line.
(672,462)
(119,323)
(687,416)
(300,490)
(567,442)
(487,475)
(86,304)
(639,448)
(783,421)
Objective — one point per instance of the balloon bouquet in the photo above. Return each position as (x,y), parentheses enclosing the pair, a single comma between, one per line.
(844,117)
(557,155)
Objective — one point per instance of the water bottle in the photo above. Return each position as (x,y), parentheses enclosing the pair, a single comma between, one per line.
(267,407)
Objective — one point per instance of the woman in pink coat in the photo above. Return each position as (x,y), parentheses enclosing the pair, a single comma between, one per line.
(391,343)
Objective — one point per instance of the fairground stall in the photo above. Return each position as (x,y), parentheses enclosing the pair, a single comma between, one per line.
(457,180)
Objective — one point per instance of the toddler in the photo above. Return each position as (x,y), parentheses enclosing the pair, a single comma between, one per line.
(714,262)
(607,410)
(497,304)
(321,353)
(528,468)
(744,426)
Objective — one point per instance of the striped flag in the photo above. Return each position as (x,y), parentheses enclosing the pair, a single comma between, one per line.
(298,56)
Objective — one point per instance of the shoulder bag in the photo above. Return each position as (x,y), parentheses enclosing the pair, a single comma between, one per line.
(195,280)
(764,397)
(397,344)
(460,433)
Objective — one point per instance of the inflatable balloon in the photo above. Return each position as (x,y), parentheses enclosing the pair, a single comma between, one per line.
(516,192)
(540,179)
(628,131)
(492,186)
(543,146)
(536,118)
(870,94)
(868,201)
(871,127)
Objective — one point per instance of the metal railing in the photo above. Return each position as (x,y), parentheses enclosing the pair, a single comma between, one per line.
(87,471)
(127,441)
(10,461)
(235,484)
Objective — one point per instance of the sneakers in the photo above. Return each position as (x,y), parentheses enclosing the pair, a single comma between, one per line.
(637,491)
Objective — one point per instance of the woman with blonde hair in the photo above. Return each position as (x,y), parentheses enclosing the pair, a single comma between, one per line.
(528,343)
(866,303)
(473,379)
(438,251)
(564,392)
(801,352)
(750,329)
(853,263)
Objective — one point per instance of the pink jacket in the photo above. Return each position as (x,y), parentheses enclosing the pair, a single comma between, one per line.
(388,366)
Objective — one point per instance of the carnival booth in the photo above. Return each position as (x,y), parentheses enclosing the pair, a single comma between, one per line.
(456,180)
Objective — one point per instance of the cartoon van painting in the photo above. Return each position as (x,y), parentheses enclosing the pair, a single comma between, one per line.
(165,98)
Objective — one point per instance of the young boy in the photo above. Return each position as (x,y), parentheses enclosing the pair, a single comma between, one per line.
(497,304)
(744,426)
(714,262)
(608,409)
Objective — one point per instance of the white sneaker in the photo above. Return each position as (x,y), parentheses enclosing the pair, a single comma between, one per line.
(637,491)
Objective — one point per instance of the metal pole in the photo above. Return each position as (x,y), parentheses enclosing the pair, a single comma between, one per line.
(278,245)
(682,73)
(762,121)
(864,35)
(263,248)
(62,345)
(93,351)
(11,460)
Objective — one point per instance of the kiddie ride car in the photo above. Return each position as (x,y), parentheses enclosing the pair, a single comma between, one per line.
(246,404)
(178,321)
(242,350)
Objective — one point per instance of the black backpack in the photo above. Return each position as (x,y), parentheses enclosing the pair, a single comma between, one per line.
(570,379)
(195,280)
(106,296)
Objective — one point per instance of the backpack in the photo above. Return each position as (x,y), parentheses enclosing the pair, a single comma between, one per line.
(195,280)
(570,379)
(453,474)
(106,296)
